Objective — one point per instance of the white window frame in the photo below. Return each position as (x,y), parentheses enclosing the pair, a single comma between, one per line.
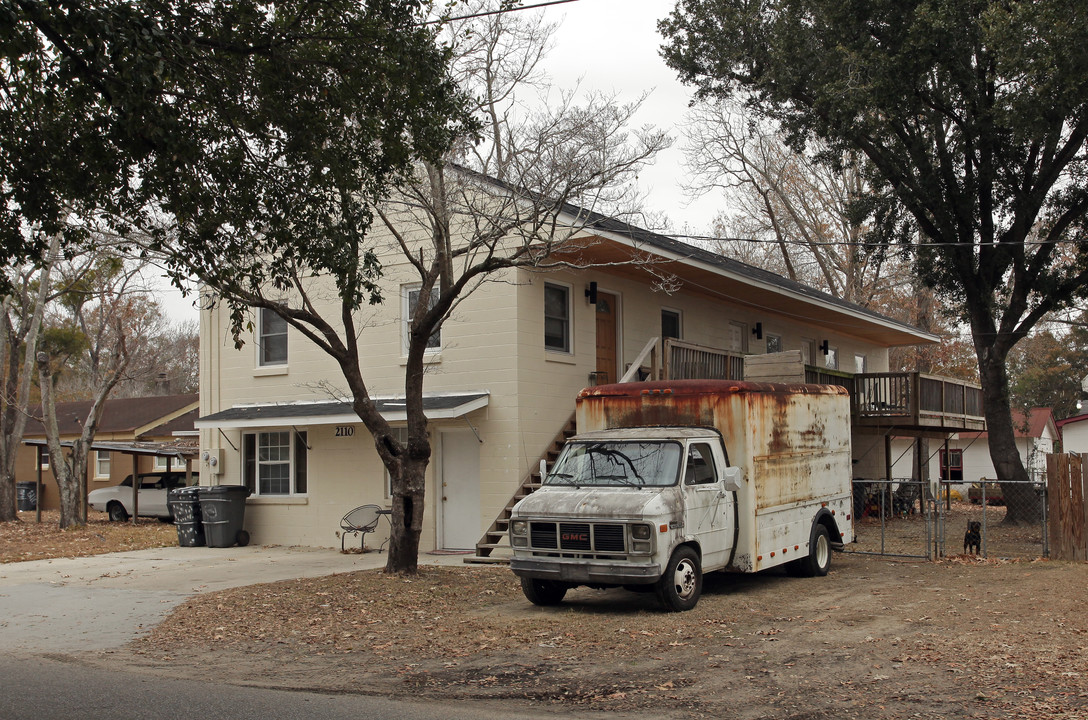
(569,320)
(434,342)
(43,457)
(264,315)
(297,440)
(679,322)
(159,463)
(102,458)
(831,360)
(861,363)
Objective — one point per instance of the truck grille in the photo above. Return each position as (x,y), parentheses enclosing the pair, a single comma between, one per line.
(577,537)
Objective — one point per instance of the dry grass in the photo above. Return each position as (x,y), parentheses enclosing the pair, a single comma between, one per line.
(29,540)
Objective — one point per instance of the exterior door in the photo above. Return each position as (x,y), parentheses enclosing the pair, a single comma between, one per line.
(606,339)
(460,488)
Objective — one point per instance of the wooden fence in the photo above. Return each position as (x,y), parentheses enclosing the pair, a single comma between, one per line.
(1067,511)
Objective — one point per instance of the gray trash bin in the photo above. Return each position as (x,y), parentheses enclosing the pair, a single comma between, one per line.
(27,495)
(224,510)
(184,505)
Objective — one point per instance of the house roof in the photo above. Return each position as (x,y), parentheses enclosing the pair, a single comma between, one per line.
(1027,425)
(1072,420)
(119,415)
(339,412)
(724,277)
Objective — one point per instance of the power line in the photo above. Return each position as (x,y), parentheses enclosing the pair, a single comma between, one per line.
(843,243)
(500,11)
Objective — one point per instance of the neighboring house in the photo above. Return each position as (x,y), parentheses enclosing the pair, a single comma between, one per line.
(1074,434)
(500,382)
(124,420)
(967,459)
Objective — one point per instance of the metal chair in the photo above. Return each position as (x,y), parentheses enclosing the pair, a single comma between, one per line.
(362,520)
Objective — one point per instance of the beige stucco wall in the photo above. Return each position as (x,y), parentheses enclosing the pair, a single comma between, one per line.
(493,342)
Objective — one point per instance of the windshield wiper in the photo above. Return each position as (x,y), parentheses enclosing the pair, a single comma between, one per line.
(565,476)
(622,478)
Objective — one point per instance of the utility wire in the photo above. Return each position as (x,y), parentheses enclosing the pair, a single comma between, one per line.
(500,11)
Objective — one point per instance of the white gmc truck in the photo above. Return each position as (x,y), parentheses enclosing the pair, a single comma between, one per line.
(669,480)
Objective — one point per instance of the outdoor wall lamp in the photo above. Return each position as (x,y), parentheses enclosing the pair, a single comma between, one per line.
(824,347)
(758,331)
(591,293)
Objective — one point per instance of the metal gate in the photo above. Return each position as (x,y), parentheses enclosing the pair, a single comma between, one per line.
(902,518)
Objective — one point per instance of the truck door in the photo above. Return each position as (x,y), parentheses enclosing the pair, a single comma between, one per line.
(709,509)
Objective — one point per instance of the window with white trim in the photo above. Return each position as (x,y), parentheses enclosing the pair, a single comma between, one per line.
(160,463)
(43,457)
(274,462)
(409,300)
(774,343)
(831,360)
(557,318)
(101,464)
(861,363)
(271,338)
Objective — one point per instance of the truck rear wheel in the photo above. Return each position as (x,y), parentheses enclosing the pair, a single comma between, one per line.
(543,592)
(818,561)
(682,583)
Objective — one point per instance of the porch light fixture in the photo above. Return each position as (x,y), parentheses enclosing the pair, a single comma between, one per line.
(824,347)
(591,293)
(758,331)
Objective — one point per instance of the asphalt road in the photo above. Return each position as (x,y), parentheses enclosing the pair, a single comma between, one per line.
(41,687)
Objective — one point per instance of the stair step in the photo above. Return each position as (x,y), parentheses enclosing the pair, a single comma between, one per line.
(485,560)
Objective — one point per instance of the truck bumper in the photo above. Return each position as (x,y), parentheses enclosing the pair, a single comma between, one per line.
(585,572)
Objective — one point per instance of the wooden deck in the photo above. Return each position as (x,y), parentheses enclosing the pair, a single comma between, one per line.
(911,400)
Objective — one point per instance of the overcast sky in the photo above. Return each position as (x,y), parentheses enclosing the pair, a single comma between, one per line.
(612,46)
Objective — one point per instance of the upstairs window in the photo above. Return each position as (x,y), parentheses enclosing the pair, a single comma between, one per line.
(557,318)
(410,299)
(271,338)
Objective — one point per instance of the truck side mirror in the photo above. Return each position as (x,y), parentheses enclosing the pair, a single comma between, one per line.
(543,469)
(731,479)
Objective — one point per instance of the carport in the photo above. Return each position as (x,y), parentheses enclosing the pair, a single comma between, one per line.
(182,451)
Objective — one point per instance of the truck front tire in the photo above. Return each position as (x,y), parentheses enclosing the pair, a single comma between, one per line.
(543,592)
(818,561)
(682,583)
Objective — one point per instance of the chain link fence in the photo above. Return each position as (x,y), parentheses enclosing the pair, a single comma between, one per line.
(902,518)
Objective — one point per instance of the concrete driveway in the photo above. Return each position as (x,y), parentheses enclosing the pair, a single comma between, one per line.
(104,601)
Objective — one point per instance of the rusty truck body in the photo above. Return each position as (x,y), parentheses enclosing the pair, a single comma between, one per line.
(669,480)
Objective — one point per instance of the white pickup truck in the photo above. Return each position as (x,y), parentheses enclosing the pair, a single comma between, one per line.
(671,480)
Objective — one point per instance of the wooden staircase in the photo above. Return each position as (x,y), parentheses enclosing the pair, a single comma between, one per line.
(496,535)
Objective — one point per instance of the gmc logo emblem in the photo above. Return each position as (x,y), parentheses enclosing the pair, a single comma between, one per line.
(576,537)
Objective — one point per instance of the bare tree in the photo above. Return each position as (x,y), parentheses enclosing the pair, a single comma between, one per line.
(97,304)
(24,306)
(797,212)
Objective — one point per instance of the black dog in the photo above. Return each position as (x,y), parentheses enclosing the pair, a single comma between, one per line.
(973,537)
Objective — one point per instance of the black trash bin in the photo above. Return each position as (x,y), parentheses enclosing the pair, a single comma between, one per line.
(27,495)
(184,505)
(224,511)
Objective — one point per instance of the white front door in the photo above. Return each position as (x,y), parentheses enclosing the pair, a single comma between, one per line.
(460,490)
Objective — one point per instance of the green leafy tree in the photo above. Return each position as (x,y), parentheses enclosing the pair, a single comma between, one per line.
(246,142)
(974,116)
(1046,368)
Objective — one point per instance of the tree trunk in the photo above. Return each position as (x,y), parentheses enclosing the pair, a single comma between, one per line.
(407,518)
(1022,504)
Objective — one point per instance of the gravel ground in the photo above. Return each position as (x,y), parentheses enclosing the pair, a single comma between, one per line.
(877,638)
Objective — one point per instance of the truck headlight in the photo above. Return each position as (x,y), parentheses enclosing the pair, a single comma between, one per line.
(519,527)
(640,532)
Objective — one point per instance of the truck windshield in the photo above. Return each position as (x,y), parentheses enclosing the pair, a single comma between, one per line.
(617,463)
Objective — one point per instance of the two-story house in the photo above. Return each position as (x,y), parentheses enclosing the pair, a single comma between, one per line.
(501,377)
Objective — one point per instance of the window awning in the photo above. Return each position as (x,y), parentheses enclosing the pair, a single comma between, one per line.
(339,412)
